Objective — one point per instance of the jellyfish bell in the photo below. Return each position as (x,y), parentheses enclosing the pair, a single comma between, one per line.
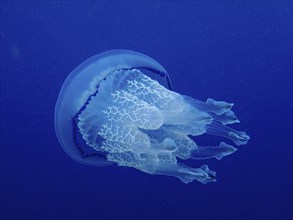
(82,83)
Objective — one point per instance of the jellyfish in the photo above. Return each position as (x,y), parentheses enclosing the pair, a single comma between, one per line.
(118,107)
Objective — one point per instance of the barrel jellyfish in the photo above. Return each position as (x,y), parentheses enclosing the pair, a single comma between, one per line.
(118,107)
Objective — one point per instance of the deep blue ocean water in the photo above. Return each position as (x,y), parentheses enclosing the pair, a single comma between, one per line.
(240,52)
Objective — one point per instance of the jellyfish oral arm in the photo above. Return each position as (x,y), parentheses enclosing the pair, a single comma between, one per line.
(162,166)
(146,126)
(217,152)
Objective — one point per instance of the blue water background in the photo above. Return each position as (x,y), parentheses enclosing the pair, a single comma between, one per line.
(240,52)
